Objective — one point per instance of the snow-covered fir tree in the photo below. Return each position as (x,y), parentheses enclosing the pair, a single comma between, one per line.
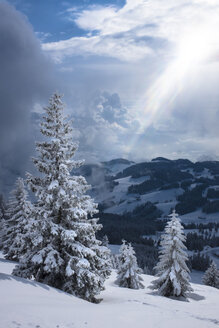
(146,270)
(3,210)
(68,255)
(128,272)
(211,276)
(115,261)
(1,227)
(2,205)
(16,234)
(172,271)
(1,214)
(105,241)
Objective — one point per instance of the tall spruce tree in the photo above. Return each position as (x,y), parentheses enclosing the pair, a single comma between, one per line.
(128,272)
(68,255)
(16,230)
(211,276)
(172,271)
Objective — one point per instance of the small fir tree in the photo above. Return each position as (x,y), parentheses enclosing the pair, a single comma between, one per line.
(2,205)
(211,276)
(128,272)
(67,254)
(105,241)
(114,261)
(1,227)
(16,237)
(172,271)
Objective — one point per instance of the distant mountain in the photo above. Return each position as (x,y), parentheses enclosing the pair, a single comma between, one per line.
(121,186)
(118,161)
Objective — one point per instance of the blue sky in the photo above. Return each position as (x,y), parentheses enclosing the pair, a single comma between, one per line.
(53,19)
(142,74)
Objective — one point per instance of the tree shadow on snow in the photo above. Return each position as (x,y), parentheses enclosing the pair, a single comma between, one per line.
(7,261)
(4,276)
(196,297)
(193,296)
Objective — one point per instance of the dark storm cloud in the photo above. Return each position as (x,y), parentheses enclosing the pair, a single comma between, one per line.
(24,79)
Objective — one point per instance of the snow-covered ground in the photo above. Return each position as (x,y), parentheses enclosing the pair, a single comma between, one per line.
(199,217)
(26,304)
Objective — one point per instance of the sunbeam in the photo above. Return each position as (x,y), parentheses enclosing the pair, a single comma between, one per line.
(195,48)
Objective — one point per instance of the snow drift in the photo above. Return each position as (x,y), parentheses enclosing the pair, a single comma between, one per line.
(26,304)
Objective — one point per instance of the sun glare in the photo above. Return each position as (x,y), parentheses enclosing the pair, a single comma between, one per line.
(195,47)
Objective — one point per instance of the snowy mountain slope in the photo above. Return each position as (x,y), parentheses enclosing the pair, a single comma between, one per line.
(191,188)
(199,217)
(124,202)
(119,186)
(28,304)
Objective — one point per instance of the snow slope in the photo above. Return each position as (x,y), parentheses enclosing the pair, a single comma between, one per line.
(118,199)
(125,202)
(26,304)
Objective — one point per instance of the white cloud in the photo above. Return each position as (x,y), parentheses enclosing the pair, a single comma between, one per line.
(125,48)
(121,32)
(95,19)
(105,128)
(43,35)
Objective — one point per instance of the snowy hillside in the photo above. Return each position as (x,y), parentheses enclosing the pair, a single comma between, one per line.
(120,186)
(27,304)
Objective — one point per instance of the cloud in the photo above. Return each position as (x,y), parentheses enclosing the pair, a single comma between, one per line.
(109,109)
(94,19)
(126,33)
(102,126)
(23,80)
(122,48)
(42,36)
